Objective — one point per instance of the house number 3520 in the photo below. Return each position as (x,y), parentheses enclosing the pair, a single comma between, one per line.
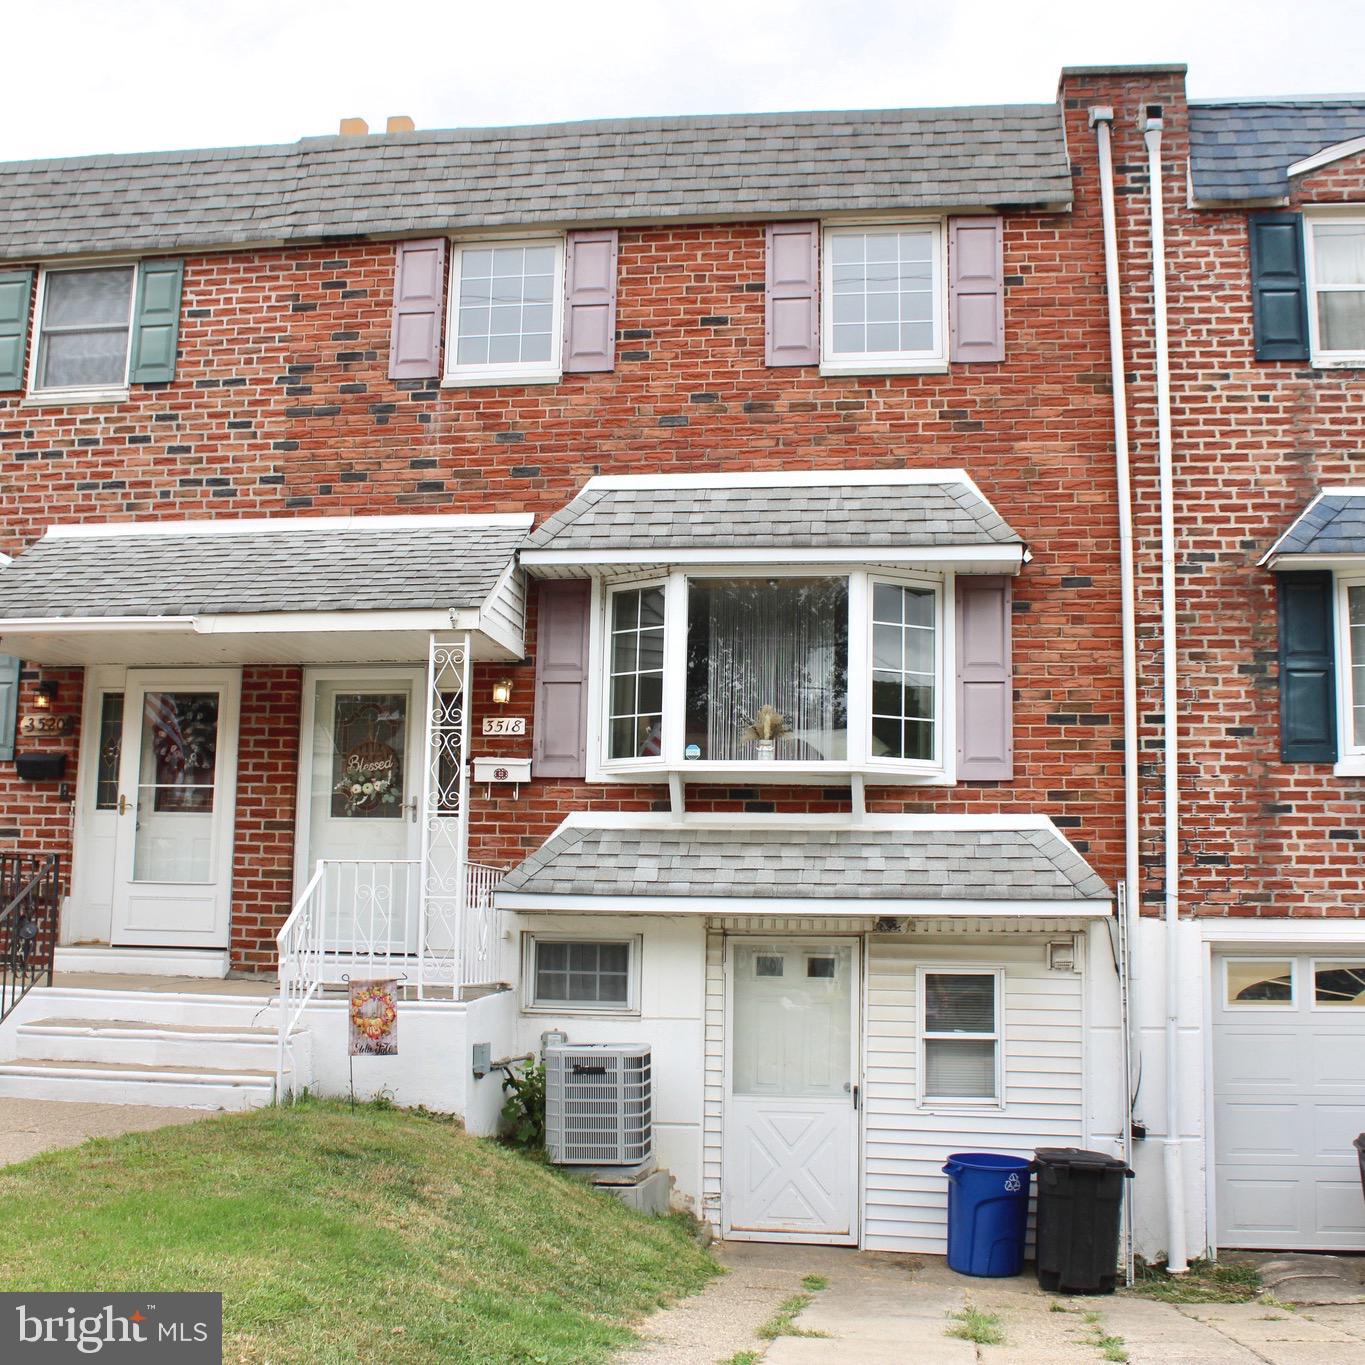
(504,725)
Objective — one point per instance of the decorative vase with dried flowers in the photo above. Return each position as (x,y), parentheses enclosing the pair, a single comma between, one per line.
(766,727)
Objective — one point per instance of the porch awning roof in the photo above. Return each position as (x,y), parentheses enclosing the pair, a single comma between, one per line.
(827,516)
(1329,530)
(315,589)
(886,865)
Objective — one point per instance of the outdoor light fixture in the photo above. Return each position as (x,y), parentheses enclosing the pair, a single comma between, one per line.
(47,694)
(502,691)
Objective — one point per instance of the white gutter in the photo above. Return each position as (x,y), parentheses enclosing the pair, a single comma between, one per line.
(1172,1154)
(1101,119)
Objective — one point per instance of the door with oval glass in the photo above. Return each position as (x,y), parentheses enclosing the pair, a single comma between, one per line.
(791,1092)
(177,791)
(361,796)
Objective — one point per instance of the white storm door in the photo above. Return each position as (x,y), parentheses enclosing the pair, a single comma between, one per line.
(176,797)
(362,793)
(791,1098)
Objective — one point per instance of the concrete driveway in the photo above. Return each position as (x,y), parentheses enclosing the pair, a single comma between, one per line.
(877,1309)
(28,1127)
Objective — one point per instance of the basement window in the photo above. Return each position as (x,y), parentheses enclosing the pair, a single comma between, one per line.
(581,974)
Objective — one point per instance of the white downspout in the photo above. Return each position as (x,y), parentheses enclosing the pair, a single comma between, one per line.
(1171,1144)
(1101,118)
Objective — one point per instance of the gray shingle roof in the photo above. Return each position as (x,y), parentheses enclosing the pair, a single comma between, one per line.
(729,516)
(792,865)
(611,171)
(1241,151)
(342,569)
(1333,525)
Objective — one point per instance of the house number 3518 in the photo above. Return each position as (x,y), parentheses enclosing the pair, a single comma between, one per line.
(504,725)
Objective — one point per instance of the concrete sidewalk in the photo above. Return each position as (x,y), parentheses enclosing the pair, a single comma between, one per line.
(878,1309)
(28,1127)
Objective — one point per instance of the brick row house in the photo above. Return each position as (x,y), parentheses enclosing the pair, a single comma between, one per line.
(698,583)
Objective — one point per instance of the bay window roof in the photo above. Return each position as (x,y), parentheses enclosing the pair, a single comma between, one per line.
(846,516)
(1330,528)
(950,865)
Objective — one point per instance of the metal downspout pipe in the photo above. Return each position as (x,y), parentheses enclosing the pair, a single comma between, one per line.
(1101,119)
(1172,1153)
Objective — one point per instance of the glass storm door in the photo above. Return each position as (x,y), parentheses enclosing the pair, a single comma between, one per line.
(176,794)
(791,1103)
(364,785)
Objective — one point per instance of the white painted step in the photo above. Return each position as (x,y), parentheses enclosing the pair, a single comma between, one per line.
(50,1078)
(163,1008)
(148,1043)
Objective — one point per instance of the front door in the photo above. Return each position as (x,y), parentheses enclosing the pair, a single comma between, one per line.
(363,781)
(176,797)
(791,1097)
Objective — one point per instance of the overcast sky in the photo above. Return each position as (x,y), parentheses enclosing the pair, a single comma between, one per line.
(139,75)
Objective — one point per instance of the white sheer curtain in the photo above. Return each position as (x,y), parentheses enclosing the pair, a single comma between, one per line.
(781,643)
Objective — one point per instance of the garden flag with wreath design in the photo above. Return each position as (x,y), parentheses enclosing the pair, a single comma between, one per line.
(374,1019)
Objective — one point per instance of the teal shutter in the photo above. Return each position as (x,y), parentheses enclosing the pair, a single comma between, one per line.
(156,322)
(1308,710)
(9,704)
(16,288)
(1279,291)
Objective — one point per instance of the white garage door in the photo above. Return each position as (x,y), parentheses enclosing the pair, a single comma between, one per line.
(1289,1100)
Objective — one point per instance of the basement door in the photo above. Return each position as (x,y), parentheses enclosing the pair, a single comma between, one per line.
(176,797)
(791,1092)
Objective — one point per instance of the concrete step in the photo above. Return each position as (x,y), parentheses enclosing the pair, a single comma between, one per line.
(190,1087)
(140,1042)
(161,1007)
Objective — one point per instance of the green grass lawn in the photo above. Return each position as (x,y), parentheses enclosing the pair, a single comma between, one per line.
(378,1235)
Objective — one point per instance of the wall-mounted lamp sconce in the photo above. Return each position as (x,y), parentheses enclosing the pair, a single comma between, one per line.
(502,691)
(47,694)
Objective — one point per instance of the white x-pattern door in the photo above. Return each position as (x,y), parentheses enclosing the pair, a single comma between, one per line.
(791,1091)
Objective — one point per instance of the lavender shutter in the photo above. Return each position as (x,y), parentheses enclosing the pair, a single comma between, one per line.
(590,302)
(418,291)
(792,327)
(560,742)
(976,289)
(985,683)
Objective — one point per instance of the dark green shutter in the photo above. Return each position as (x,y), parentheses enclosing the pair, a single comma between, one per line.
(16,288)
(1279,291)
(156,322)
(9,704)
(1308,710)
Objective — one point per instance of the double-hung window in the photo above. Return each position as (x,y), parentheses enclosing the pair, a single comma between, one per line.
(1336,277)
(882,304)
(789,671)
(960,1036)
(506,312)
(1351,617)
(85,323)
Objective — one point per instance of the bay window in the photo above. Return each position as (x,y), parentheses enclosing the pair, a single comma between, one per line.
(787,671)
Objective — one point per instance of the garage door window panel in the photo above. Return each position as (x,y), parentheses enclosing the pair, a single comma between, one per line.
(1259,983)
(1339,983)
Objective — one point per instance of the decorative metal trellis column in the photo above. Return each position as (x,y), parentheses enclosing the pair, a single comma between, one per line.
(445,808)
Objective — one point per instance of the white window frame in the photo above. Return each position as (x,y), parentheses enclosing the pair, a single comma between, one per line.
(1313,964)
(932,361)
(1319,357)
(941,770)
(79,393)
(1274,1006)
(923,1100)
(531,1005)
(549,371)
(1350,755)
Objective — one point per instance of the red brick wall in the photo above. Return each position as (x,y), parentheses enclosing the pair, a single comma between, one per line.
(1253,442)
(282,405)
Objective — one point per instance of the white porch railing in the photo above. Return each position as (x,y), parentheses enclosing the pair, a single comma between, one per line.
(361,918)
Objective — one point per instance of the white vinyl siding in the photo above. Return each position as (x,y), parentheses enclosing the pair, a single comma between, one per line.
(906,1142)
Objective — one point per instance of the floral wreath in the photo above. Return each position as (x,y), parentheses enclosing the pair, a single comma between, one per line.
(362,795)
(373,1025)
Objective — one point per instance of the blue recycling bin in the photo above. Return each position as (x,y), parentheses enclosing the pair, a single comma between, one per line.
(987,1213)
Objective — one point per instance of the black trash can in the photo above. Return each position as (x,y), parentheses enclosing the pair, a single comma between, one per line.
(1360,1156)
(1080,1206)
